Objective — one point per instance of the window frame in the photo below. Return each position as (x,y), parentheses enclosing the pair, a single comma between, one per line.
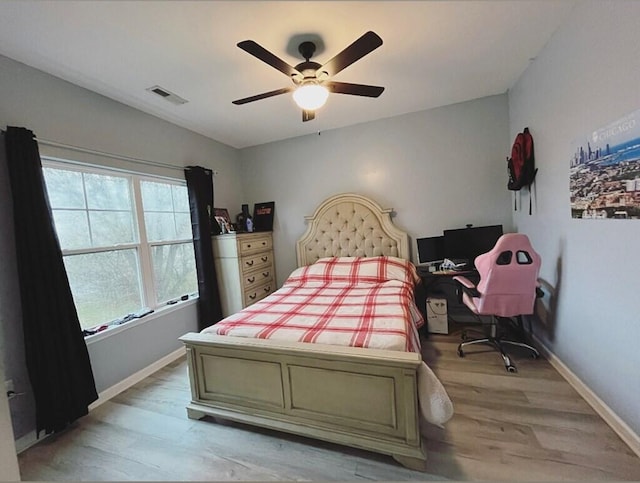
(149,245)
(143,247)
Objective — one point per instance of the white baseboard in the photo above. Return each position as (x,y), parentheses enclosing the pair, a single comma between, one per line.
(125,384)
(27,441)
(621,428)
(30,438)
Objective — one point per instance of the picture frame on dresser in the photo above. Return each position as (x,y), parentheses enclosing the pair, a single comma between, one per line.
(221,215)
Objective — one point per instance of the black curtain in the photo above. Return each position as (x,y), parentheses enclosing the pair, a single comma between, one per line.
(200,188)
(56,354)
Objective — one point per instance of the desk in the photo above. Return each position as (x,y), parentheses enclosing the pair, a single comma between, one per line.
(440,276)
(441,284)
(433,282)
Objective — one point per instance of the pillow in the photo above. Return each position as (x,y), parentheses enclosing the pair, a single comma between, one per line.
(356,270)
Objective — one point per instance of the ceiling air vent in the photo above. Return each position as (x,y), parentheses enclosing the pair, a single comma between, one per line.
(165,94)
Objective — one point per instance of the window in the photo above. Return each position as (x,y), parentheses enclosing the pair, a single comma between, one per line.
(126,240)
(168,227)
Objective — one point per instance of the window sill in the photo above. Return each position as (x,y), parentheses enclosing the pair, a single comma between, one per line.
(160,312)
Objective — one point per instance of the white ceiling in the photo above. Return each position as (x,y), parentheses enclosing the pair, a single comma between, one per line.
(434,53)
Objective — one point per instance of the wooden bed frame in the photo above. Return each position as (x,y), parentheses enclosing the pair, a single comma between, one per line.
(365,398)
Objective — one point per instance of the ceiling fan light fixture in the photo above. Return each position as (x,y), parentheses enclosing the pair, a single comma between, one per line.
(312,80)
(310,96)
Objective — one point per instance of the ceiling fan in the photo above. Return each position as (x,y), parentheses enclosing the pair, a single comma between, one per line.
(311,80)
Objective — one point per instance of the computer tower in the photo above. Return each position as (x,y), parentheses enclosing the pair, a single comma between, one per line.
(437,321)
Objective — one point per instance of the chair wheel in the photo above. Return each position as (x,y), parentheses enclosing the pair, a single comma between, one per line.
(460,352)
(512,368)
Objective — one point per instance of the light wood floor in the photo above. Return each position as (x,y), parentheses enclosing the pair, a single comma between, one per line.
(527,426)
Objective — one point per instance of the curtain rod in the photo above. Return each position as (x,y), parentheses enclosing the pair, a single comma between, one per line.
(121,157)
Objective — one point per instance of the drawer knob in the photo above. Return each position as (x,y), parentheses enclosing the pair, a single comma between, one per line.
(251,280)
(249,245)
(265,274)
(249,263)
(266,289)
(264,243)
(264,259)
(253,296)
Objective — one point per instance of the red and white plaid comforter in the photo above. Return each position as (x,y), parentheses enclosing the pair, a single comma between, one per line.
(357,302)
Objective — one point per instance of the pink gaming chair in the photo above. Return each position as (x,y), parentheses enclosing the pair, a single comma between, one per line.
(508,288)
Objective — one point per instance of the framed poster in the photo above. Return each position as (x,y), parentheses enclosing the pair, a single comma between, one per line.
(604,173)
(263,216)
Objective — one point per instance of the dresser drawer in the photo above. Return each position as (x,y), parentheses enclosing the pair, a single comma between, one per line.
(257,277)
(254,262)
(255,244)
(245,268)
(253,295)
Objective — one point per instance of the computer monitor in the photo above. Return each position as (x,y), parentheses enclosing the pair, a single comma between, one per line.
(468,243)
(430,249)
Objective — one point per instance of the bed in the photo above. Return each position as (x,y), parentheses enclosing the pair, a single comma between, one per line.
(360,389)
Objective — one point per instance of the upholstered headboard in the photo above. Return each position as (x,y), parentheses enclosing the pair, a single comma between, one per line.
(350,225)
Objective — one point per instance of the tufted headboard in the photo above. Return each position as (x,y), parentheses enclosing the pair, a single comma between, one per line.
(350,225)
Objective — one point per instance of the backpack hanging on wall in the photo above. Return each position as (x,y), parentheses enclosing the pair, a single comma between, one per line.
(521,164)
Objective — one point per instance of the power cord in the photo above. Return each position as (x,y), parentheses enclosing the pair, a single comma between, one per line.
(13,394)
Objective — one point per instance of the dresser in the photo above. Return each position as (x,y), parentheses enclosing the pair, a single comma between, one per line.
(244,267)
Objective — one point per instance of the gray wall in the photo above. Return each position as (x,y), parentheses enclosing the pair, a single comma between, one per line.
(59,111)
(587,76)
(438,169)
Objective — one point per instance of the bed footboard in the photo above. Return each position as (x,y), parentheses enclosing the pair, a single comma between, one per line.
(364,398)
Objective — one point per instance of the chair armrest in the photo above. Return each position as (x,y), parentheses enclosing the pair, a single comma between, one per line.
(467,286)
(464,281)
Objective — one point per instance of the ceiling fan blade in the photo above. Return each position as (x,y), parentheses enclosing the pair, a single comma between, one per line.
(353,89)
(267,57)
(361,47)
(308,115)
(264,95)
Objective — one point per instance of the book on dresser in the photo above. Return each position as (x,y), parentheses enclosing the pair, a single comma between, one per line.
(245,269)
